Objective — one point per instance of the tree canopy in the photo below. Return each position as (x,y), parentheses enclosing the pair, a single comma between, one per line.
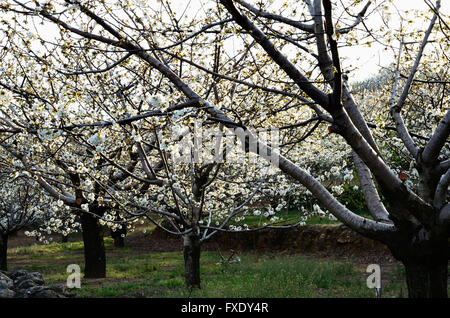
(95,111)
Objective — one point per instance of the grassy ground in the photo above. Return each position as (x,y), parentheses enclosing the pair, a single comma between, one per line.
(292,216)
(133,273)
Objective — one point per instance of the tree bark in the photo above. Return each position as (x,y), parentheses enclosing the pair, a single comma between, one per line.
(427,279)
(425,257)
(3,252)
(94,248)
(191,250)
(119,240)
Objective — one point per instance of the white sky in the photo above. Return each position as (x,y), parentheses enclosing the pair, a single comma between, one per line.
(370,59)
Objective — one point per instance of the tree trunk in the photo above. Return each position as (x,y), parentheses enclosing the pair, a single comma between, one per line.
(94,248)
(425,257)
(3,252)
(191,250)
(427,279)
(119,240)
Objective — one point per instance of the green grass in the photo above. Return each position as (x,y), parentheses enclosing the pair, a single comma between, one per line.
(255,277)
(290,216)
(54,248)
(132,274)
(318,220)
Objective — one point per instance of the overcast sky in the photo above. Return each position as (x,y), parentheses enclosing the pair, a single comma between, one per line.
(370,59)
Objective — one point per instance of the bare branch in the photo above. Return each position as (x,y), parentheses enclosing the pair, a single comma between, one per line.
(396,109)
(369,190)
(442,190)
(317,95)
(437,140)
(259,13)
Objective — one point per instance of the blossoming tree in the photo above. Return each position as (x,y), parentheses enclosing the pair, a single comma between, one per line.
(25,206)
(247,65)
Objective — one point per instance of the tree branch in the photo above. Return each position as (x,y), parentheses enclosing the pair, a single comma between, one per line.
(259,13)
(441,193)
(396,109)
(316,94)
(437,140)
(369,190)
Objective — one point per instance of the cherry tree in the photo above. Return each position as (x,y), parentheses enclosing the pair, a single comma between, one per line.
(14,216)
(282,62)
(414,221)
(88,163)
(109,173)
(23,206)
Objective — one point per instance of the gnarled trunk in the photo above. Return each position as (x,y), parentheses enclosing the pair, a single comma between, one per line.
(191,250)
(427,279)
(425,257)
(94,248)
(3,252)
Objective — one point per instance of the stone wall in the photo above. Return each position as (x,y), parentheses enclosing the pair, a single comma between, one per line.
(308,239)
(23,284)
